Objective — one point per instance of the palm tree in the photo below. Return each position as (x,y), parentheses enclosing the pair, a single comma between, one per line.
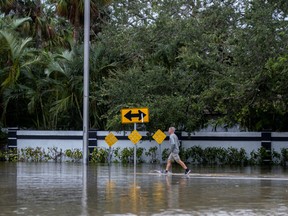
(56,31)
(47,30)
(16,61)
(73,10)
(32,9)
(16,55)
(66,79)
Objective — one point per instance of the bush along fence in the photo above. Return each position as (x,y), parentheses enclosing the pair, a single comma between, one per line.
(40,155)
(195,155)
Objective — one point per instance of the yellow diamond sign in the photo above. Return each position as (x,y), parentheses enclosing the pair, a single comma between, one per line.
(159,136)
(111,139)
(135,136)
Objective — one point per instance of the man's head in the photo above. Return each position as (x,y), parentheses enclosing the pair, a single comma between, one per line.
(171,130)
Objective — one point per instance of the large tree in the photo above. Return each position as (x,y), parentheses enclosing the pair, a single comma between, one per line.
(171,60)
(73,10)
(260,34)
(17,58)
(215,53)
(192,63)
(46,29)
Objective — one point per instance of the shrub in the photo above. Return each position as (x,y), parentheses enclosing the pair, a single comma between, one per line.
(152,153)
(127,155)
(74,154)
(284,156)
(99,155)
(55,154)
(195,154)
(165,154)
(30,154)
(236,157)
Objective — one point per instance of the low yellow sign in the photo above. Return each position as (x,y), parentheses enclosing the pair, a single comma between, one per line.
(159,136)
(135,136)
(111,139)
(135,115)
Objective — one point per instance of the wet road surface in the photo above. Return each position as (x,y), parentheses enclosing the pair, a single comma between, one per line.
(77,189)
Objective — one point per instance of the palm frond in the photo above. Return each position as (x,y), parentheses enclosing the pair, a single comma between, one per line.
(61,105)
(18,22)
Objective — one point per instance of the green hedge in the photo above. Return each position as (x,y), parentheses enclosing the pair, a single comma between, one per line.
(192,155)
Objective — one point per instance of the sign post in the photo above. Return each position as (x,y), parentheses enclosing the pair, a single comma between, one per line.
(135,137)
(135,151)
(159,137)
(135,115)
(110,140)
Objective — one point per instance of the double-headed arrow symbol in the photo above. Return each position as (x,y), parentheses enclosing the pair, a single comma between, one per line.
(135,115)
(140,115)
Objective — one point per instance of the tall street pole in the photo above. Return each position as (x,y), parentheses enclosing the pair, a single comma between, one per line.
(86,80)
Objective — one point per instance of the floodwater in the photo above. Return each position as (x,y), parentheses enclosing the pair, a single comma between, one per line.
(77,189)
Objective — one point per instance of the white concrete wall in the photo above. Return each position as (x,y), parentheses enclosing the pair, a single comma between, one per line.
(50,143)
(278,145)
(249,146)
(70,143)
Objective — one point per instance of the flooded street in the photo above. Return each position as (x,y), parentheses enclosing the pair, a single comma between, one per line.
(76,189)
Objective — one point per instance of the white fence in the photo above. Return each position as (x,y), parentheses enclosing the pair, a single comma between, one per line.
(74,140)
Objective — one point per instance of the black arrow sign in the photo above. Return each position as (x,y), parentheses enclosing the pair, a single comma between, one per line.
(140,115)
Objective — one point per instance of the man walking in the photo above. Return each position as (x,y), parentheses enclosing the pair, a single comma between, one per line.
(174,154)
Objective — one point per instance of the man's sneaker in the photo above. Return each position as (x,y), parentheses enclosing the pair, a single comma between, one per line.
(187,172)
(165,172)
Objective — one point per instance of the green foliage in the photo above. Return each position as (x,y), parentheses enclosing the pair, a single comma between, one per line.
(207,65)
(11,155)
(152,153)
(30,154)
(139,152)
(216,156)
(195,154)
(211,155)
(3,139)
(127,155)
(75,155)
(165,154)
(276,156)
(236,156)
(55,154)
(99,155)
(194,64)
(2,156)
(284,157)
(258,157)
(2,134)
(116,154)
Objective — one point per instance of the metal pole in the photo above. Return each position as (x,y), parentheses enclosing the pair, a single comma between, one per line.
(86,80)
(110,155)
(84,191)
(135,152)
(160,154)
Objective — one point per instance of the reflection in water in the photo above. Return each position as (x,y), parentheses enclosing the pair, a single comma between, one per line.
(84,191)
(8,188)
(49,189)
(76,189)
